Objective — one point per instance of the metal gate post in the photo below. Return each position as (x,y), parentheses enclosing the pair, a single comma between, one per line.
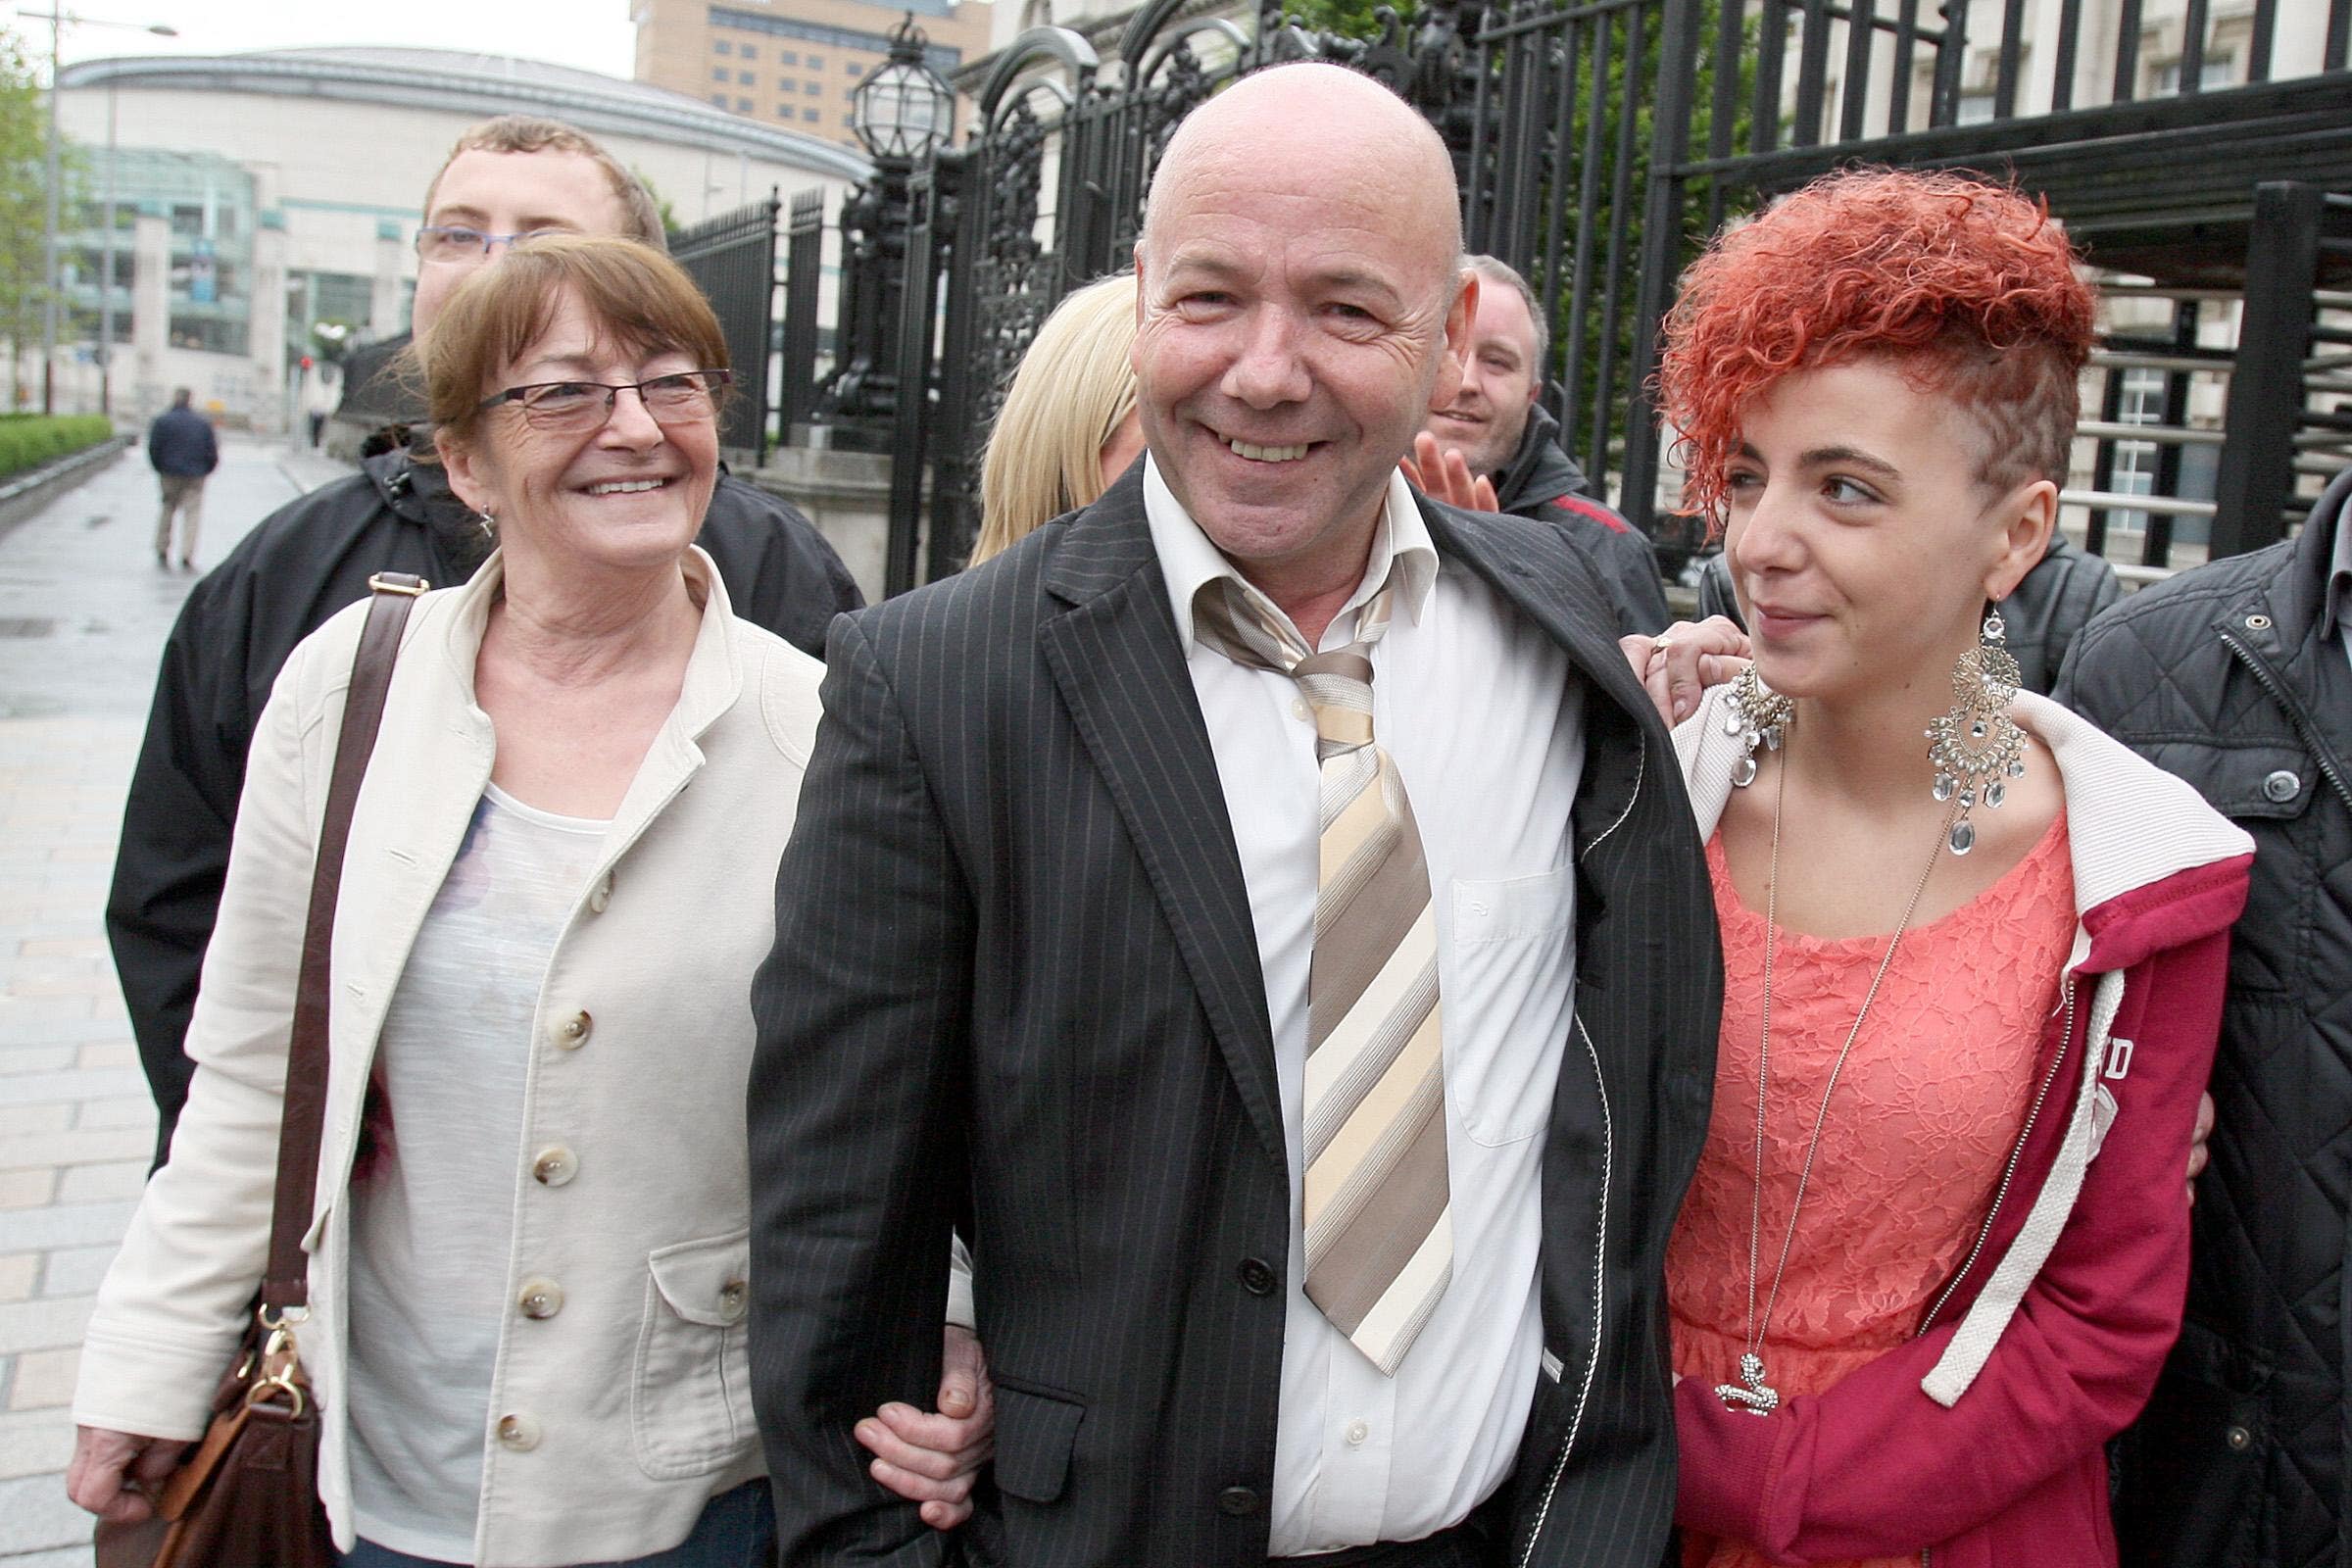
(2266,385)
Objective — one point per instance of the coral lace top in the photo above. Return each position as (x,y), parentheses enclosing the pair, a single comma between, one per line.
(1920,1127)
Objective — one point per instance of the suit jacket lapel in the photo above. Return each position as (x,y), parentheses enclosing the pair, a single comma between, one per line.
(1114,655)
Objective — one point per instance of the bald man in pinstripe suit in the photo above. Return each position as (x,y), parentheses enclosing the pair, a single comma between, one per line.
(1261,911)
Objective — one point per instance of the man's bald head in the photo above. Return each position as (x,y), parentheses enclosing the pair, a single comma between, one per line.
(1300,311)
(1318,116)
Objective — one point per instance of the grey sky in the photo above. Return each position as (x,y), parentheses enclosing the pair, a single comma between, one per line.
(593,34)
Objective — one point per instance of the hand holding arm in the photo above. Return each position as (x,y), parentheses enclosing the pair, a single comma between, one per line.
(1679,665)
(933,1459)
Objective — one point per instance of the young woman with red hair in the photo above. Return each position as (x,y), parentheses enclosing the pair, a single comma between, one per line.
(1937,1241)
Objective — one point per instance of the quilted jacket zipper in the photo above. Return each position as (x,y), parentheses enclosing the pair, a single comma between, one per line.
(2268,681)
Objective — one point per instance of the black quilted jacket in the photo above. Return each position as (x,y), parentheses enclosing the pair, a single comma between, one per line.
(2222,676)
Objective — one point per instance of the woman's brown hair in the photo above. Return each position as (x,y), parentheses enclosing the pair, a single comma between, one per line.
(637,297)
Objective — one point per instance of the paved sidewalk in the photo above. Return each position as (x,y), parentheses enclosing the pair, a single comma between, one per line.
(83,613)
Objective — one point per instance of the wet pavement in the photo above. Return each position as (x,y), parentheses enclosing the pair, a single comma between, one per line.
(83,612)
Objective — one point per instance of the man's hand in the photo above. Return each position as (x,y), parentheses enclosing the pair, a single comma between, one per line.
(1679,665)
(115,1475)
(1445,475)
(931,1459)
(2198,1153)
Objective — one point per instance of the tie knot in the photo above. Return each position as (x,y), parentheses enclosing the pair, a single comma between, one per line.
(1337,685)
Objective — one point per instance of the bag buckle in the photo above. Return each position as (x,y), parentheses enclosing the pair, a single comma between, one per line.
(398,582)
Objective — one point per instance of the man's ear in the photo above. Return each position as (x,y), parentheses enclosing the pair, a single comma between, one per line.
(1454,362)
(2025,517)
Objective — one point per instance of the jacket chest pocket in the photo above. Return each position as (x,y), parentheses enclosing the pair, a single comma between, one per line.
(690,1408)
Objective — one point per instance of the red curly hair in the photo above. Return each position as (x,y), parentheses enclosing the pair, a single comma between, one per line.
(1968,283)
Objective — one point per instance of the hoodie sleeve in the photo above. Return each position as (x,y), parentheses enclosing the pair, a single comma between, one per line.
(1873,1467)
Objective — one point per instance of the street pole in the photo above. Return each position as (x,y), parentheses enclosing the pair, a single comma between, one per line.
(49,275)
(55,285)
(106,272)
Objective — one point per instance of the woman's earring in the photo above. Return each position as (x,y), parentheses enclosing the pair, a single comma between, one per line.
(1977,749)
(487,522)
(1755,714)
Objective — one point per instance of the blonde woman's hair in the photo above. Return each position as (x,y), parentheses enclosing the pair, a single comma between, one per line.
(1075,386)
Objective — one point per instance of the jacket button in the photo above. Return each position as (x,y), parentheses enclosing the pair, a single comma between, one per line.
(518,1431)
(573,1032)
(2239,1438)
(1255,1276)
(733,1296)
(553,1167)
(1238,1501)
(2283,786)
(602,896)
(540,1299)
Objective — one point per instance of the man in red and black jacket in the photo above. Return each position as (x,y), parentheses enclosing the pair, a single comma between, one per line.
(1505,436)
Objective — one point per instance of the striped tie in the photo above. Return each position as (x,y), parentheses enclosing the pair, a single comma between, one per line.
(1379,1232)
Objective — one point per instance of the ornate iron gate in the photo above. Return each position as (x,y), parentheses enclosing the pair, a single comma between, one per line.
(732,260)
(1598,143)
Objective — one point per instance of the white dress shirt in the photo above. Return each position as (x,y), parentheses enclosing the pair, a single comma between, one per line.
(1482,718)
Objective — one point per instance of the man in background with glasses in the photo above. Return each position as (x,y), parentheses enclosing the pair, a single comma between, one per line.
(507,179)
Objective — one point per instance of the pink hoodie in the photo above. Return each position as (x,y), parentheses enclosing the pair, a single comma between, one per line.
(1980,1443)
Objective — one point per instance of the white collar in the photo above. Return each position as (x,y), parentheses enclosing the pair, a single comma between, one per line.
(1187,558)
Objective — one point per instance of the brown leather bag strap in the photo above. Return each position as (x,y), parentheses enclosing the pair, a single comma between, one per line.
(287,1281)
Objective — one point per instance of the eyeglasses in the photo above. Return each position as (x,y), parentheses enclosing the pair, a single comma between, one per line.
(678,399)
(436,242)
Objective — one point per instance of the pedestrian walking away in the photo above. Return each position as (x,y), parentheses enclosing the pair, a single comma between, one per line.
(184,453)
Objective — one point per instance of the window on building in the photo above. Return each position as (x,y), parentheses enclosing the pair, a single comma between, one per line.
(749,51)
(718,73)
(720,46)
(2216,70)
(787,85)
(1975,108)
(720,98)
(2140,403)
(788,57)
(744,78)
(816,62)
(809,114)
(743,106)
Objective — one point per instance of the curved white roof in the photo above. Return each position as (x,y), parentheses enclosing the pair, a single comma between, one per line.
(476,85)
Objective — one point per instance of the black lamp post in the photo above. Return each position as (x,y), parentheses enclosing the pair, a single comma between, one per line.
(902,112)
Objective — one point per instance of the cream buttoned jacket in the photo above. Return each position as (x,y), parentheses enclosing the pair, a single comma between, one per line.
(616,1418)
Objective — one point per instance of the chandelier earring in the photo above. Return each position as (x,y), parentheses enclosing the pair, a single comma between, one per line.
(1755,714)
(1976,748)
(487,521)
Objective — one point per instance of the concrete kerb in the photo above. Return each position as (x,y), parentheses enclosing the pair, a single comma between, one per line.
(27,493)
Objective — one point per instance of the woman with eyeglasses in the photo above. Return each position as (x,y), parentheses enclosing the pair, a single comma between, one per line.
(528,1264)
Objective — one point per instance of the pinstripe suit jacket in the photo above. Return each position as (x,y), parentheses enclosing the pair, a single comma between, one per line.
(1015,988)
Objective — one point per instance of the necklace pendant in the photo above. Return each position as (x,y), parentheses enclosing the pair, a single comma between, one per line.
(1750,1394)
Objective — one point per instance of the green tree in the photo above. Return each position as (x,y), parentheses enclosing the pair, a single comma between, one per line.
(24,202)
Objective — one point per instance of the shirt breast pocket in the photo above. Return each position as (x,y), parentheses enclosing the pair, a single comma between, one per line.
(1507,1001)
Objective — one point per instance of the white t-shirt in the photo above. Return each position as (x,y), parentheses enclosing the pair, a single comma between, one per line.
(432,1226)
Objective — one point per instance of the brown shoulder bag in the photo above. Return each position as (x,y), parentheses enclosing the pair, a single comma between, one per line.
(246,1495)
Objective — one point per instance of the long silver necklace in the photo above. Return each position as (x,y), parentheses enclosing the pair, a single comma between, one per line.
(1752,1394)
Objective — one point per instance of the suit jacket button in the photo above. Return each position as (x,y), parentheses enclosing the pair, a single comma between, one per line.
(1238,1501)
(1255,1276)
